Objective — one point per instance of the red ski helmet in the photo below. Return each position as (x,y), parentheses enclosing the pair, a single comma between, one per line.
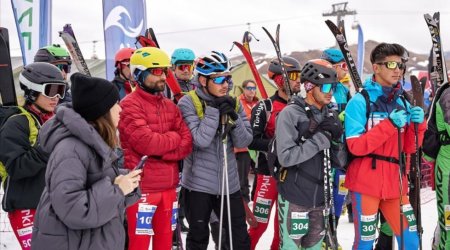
(123,54)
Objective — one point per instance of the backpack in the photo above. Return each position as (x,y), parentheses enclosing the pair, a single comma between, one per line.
(433,138)
(7,112)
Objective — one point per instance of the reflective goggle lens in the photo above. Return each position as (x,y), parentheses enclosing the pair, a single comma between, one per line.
(184,67)
(343,65)
(63,67)
(158,71)
(221,79)
(393,65)
(293,76)
(326,88)
(251,88)
(52,90)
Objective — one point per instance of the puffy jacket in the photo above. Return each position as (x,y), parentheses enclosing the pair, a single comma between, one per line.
(247,106)
(263,127)
(202,169)
(304,160)
(152,125)
(24,163)
(376,136)
(81,207)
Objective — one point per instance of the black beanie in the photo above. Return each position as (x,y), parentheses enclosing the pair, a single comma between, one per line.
(92,97)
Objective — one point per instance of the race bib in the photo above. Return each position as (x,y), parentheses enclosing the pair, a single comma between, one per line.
(262,208)
(409,214)
(447,217)
(144,219)
(342,190)
(374,119)
(299,225)
(368,227)
(174,215)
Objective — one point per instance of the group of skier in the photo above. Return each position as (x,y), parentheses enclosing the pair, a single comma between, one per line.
(71,181)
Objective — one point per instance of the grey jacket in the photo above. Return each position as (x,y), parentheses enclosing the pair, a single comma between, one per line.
(80,207)
(303,160)
(202,169)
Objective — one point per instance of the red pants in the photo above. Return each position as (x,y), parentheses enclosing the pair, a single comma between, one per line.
(22,224)
(266,192)
(161,221)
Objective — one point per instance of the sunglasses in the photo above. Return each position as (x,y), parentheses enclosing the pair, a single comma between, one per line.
(293,76)
(328,87)
(393,65)
(343,65)
(158,71)
(251,88)
(221,79)
(63,67)
(184,67)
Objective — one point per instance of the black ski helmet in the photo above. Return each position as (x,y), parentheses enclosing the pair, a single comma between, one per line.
(38,73)
(290,63)
(318,72)
(52,54)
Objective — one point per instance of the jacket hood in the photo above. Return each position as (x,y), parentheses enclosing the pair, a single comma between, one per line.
(68,123)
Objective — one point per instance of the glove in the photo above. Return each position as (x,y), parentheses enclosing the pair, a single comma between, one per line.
(223,99)
(226,109)
(416,114)
(399,118)
(333,126)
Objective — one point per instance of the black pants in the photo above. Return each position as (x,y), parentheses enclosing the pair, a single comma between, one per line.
(198,207)
(243,165)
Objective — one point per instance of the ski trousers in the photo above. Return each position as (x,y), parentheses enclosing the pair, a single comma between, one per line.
(442,178)
(162,221)
(198,208)
(243,165)
(365,209)
(339,191)
(21,221)
(265,198)
(296,234)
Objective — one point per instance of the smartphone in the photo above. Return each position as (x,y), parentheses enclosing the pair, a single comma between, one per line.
(141,163)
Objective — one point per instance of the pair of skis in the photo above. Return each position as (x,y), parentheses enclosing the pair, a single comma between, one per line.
(7,88)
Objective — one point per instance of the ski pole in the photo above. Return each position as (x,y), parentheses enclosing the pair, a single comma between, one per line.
(225,187)
(401,186)
(418,184)
(326,211)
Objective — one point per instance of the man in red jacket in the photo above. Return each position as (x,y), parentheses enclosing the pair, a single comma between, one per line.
(152,125)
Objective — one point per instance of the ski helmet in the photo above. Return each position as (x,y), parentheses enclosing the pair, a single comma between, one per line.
(147,58)
(182,56)
(332,55)
(318,72)
(35,75)
(53,54)
(123,54)
(215,62)
(291,64)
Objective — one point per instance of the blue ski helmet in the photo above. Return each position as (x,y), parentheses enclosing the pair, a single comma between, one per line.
(332,55)
(182,56)
(215,62)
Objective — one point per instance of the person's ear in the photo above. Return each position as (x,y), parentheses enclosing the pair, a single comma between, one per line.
(202,80)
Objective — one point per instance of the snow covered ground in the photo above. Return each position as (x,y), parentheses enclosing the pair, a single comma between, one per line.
(345,229)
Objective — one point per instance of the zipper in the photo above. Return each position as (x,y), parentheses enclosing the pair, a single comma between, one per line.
(6,188)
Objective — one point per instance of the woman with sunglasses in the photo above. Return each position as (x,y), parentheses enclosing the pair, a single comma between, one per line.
(373,177)
(59,57)
(304,130)
(204,111)
(263,123)
(21,155)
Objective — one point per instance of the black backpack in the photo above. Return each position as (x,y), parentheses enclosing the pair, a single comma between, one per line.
(434,139)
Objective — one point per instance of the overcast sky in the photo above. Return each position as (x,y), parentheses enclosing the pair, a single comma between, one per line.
(205,25)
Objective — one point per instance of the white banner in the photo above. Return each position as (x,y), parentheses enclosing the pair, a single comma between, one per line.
(33,22)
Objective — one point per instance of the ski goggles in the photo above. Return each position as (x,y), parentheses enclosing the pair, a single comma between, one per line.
(125,63)
(328,87)
(63,67)
(294,76)
(221,79)
(158,71)
(184,67)
(343,65)
(251,88)
(393,65)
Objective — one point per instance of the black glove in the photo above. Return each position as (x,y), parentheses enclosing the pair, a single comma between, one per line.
(331,125)
(226,109)
(216,102)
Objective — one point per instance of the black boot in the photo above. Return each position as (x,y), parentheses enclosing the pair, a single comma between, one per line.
(215,235)
(350,213)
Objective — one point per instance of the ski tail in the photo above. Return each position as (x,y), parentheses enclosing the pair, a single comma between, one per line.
(343,46)
(439,69)
(149,40)
(245,49)
(74,49)
(276,45)
(7,87)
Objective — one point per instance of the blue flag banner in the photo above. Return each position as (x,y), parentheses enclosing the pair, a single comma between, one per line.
(33,22)
(361,46)
(123,21)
